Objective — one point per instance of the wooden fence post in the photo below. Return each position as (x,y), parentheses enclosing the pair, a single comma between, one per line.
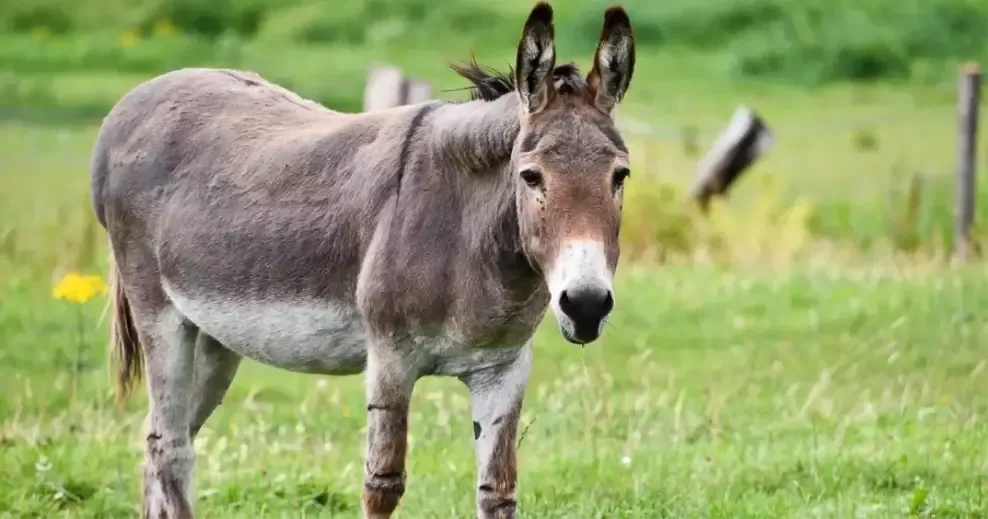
(417,91)
(384,88)
(968,98)
(738,146)
(387,87)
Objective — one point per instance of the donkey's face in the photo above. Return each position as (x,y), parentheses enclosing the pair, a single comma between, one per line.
(571,165)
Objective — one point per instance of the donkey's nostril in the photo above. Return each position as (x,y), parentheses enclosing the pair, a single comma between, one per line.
(565,304)
(608,303)
(586,305)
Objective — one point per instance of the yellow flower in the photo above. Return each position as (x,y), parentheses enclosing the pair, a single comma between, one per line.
(163,27)
(129,38)
(77,288)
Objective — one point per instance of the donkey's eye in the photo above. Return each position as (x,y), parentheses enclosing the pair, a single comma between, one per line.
(532,177)
(620,175)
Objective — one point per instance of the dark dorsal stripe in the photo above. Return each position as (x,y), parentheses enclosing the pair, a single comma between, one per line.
(417,121)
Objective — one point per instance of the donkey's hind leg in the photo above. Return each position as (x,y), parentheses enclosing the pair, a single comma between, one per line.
(215,368)
(169,347)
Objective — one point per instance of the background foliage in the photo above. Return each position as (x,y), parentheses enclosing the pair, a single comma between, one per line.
(807,42)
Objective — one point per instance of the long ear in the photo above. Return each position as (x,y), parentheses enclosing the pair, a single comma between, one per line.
(536,59)
(614,61)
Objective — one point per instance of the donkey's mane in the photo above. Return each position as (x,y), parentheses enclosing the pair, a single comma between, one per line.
(488,84)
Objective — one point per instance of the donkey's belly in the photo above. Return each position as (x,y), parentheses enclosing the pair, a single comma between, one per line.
(307,336)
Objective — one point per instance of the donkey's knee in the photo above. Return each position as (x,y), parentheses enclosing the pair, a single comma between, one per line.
(496,503)
(168,466)
(382,492)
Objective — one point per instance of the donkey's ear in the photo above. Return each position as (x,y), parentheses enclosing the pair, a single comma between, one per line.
(536,59)
(614,61)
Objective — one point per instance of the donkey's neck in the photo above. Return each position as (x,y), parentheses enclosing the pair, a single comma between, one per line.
(478,135)
(475,140)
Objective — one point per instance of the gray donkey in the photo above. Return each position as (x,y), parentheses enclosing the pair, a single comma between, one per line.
(245,221)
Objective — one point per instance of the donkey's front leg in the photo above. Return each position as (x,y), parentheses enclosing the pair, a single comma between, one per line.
(496,396)
(390,378)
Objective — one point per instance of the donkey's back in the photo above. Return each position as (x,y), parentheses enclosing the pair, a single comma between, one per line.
(200,116)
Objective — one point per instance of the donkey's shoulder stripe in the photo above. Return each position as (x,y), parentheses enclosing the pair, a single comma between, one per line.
(417,120)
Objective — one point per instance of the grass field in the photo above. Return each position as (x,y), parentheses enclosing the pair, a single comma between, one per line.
(805,353)
(854,393)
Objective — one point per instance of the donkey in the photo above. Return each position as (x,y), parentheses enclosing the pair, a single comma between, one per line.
(246,221)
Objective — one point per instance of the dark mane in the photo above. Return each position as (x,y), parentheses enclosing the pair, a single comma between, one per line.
(488,84)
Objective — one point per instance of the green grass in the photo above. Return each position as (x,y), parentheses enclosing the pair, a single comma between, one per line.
(855,393)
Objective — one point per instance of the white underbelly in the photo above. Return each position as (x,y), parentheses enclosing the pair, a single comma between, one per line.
(308,336)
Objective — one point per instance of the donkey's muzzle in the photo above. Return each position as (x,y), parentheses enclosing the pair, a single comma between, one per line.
(586,307)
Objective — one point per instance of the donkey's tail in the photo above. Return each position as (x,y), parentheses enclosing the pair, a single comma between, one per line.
(125,349)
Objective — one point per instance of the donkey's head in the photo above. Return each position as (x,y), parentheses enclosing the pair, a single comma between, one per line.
(571,165)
